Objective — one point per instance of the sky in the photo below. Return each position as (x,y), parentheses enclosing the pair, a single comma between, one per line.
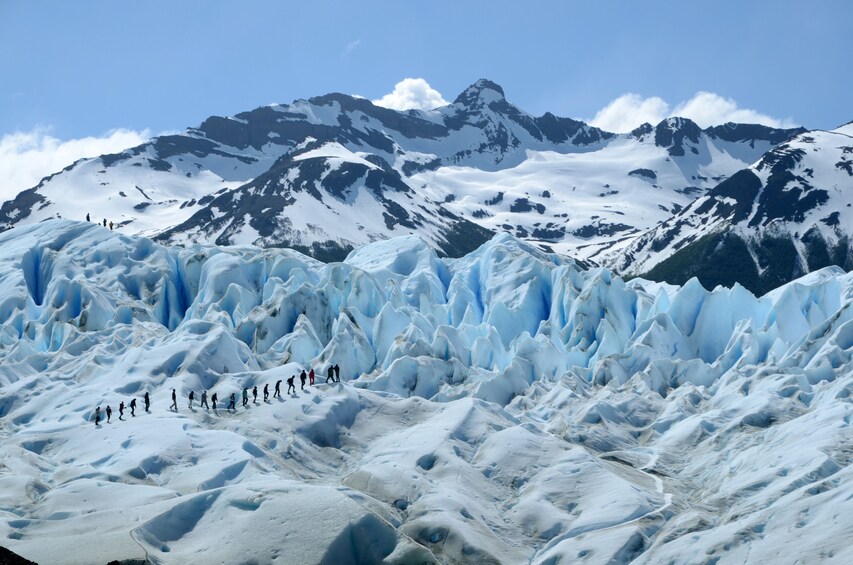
(84,78)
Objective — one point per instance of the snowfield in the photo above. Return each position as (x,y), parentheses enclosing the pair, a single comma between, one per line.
(508,406)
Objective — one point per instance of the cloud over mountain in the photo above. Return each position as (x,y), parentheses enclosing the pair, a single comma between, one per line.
(412,93)
(26,157)
(705,108)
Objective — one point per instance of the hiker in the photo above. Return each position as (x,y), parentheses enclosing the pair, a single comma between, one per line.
(133,407)
(111,226)
(232,405)
(277,388)
(147,401)
(330,374)
(105,222)
(109,413)
(204,400)
(302,378)
(174,401)
(87,217)
(97,416)
(245,397)
(121,410)
(255,394)
(192,396)
(311,377)
(290,385)
(213,399)
(266,392)
(337,373)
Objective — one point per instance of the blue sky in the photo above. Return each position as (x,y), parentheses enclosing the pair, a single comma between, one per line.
(72,70)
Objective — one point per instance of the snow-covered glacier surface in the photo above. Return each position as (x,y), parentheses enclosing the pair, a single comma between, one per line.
(505,407)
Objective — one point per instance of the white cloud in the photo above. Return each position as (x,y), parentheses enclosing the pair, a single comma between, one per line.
(350,47)
(629,111)
(27,157)
(412,93)
(705,108)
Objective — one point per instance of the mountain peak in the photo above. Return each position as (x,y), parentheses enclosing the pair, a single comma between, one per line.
(483,89)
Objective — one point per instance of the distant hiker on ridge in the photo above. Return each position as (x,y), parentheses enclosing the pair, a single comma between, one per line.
(277,388)
(290,385)
(330,374)
(255,394)
(302,377)
(105,222)
(109,413)
(337,373)
(192,396)
(174,401)
(311,377)
(245,397)
(233,404)
(213,399)
(147,401)
(121,410)
(266,392)
(133,407)
(111,226)
(87,218)
(204,400)
(97,416)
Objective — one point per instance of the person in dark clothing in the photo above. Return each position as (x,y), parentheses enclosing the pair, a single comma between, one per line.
(105,222)
(109,413)
(204,400)
(87,218)
(121,410)
(213,399)
(174,401)
(266,392)
(330,374)
(245,397)
(277,388)
(192,396)
(302,377)
(147,402)
(233,404)
(133,407)
(290,385)
(311,377)
(97,416)
(337,373)
(111,226)
(255,394)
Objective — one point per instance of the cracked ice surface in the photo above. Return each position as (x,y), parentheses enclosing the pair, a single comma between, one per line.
(506,407)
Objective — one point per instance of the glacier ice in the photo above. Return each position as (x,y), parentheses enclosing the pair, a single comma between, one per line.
(508,406)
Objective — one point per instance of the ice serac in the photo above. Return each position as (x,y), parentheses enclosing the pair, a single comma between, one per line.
(507,406)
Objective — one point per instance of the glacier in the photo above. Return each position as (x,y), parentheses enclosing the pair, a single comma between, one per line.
(508,406)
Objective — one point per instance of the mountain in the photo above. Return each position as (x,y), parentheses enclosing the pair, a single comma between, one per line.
(508,406)
(788,214)
(334,172)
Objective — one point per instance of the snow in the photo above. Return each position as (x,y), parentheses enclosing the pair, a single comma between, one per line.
(508,406)
(820,167)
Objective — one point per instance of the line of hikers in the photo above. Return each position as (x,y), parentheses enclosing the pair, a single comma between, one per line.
(88,219)
(333,374)
(121,408)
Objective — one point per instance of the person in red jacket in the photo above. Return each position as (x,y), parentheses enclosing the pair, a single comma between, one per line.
(311,377)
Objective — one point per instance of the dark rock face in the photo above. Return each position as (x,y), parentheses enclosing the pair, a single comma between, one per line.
(672,133)
(8,557)
(647,173)
(752,132)
(786,196)
(742,187)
